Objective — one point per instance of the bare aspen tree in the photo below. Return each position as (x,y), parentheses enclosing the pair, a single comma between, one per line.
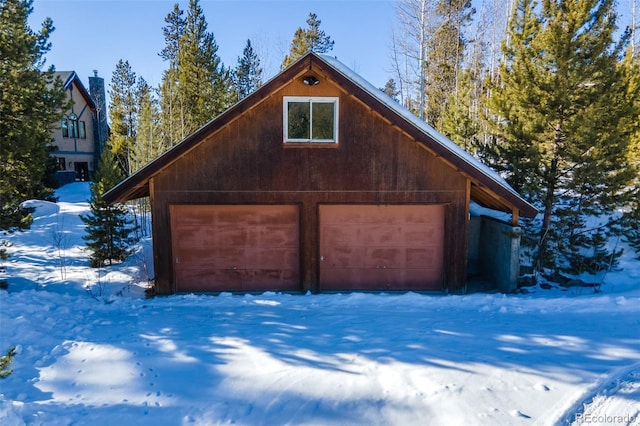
(410,48)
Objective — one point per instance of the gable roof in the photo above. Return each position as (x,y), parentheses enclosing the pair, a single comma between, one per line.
(487,187)
(70,77)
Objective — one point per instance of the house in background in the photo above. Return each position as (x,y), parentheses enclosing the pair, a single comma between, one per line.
(81,134)
(317,182)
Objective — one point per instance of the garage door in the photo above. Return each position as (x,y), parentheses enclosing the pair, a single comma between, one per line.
(381,247)
(235,247)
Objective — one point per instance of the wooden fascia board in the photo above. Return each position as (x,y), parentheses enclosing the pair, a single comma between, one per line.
(138,183)
(506,197)
(129,188)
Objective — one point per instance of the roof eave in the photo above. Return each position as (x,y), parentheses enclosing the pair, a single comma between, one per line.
(137,185)
(511,199)
(130,188)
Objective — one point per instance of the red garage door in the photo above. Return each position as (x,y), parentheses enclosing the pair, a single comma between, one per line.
(381,247)
(235,247)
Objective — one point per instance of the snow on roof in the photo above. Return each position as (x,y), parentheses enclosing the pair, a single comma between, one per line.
(417,122)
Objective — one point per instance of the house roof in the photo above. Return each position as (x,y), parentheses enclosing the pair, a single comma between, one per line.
(70,77)
(487,187)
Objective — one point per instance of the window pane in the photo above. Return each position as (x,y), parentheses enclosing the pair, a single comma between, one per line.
(73,128)
(81,130)
(322,121)
(65,129)
(298,115)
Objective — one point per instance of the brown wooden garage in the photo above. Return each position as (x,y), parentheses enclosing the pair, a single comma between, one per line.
(315,187)
(381,247)
(236,247)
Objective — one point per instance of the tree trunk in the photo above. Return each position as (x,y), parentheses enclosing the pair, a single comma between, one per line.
(550,184)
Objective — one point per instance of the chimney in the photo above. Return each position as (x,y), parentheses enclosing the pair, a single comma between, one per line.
(101,128)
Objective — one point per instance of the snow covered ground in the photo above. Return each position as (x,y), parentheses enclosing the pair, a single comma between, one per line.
(91,349)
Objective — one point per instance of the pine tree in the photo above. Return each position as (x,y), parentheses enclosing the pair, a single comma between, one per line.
(311,39)
(445,53)
(5,362)
(109,232)
(391,89)
(204,84)
(631,218)
(248,74)
(558,109)
(149,144)
(172,33)
(31,104)
(460,121)
(197,86)
(170,107)
(123,114)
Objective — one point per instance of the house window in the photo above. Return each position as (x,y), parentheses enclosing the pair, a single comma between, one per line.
(62,165)
(310,120)
(73,128)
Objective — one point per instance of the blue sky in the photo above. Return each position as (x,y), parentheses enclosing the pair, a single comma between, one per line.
(95,34)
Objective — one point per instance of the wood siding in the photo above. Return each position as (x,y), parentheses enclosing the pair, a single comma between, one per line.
(246,162)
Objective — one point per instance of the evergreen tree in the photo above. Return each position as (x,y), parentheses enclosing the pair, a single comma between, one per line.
(197,86)
(204,84)
(559,139)
(391,90)
(172,33)
(123,114)
(445,53)
(460,120)
(32,102)
(5,362)
(170,107)
(311,39)
(149,144)
(631,219)
(108,228)
(248,74)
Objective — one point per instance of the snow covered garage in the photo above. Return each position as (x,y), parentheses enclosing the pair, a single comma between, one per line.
(315,182)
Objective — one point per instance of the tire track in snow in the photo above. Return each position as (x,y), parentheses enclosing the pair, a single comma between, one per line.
(613,400)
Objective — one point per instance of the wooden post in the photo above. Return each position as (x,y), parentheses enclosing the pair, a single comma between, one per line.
(515,216)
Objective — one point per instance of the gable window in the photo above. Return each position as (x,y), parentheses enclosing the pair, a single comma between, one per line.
(310,119)
(73,128)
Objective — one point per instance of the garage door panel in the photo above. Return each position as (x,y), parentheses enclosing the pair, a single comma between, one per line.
(282,235)
(194,236)
(368,257)
(353,279)
(375,247)
(421,234)
(239,280)
(376,280)
(270,279)
(236,248)
(429,258)
(201,279)
(244,257)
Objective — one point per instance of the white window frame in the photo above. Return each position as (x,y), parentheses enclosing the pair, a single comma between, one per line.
(311,100)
